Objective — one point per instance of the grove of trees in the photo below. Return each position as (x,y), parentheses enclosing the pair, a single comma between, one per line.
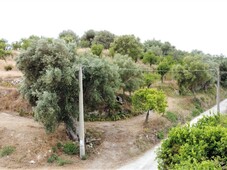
(50,68)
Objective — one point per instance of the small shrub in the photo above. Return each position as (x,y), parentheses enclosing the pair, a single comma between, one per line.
(52,158)
(71,148)
(96,49)
(195,113)
(172,117)
(59,145)
(160,135)
(62,162)
(8,67)
(54,149)
(84,157)
(7,150)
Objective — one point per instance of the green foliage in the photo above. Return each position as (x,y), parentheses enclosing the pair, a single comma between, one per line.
(105,38)
(159,48)
(62,162)
(160,135)
(150,78)
(172,117)
(50,68)
(8,67)
(26,42)
(4,49)
(7,150)
(127,45)
(203,165)
(69,37)
(130,75)
(190,77)
(87,38)
(55,158)
(100,82)
(150,57)
(149,99)
(203,144)
(52,158)
(50,84)
(71,148)
(96,49)
(223,75)
(163,68)
(16,45)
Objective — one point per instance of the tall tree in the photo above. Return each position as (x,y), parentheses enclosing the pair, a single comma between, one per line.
(128,45)
(50,69)
(192,75)
(105,38)
(130,73)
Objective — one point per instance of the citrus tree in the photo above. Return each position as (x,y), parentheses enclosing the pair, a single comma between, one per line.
(201,146)
(147,99)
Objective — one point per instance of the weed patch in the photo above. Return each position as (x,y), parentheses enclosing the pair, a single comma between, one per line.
(7,150)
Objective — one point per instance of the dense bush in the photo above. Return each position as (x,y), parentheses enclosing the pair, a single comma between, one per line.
(96,49)
(202,145)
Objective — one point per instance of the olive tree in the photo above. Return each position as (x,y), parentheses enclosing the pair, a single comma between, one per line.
(127,45)
(50,84)
(87,38)
(149,99)
(130,73)
(192,75)
(105,38)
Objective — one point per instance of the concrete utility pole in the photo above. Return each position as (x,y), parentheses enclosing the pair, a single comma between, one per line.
(218,91)
(81,116)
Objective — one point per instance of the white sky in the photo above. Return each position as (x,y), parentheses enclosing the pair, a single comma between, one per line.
(186,24)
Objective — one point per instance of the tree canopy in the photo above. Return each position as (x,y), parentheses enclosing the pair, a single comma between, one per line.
(130,73)
(50,69)
(192,75)
(104,38)
(69,36)
(149,99)
(128,45)
(202,146)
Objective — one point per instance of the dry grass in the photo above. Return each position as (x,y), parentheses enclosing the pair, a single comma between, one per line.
(11,100)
